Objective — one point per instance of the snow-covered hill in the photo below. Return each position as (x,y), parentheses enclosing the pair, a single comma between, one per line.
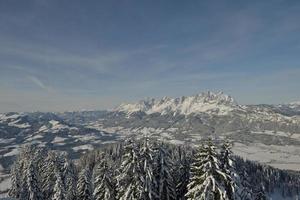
(45,129)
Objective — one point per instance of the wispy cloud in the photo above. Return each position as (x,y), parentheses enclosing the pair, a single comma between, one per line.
(100,61)
(36,81)
(51,55)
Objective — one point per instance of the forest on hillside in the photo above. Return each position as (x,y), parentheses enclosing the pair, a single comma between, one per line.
(147,170)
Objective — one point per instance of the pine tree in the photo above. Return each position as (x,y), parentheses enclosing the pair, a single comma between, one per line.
(24,194)
(15,189)
(59,188)
(69,179)
(33,185)
(206,182)
(84,186)
(141,177)
(245,180)
(183,174)
(245,191)
(129,179)
(48,174)
(27,162)
(259,193)
(22,163)
(232,181)
(165,180)
(146,160)
(104,187)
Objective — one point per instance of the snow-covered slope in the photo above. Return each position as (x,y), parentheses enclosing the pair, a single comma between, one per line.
(32,123)
(43,129)
(295,105)
(14,120)
(209,102)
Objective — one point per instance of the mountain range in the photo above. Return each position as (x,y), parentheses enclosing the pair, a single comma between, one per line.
(266,133)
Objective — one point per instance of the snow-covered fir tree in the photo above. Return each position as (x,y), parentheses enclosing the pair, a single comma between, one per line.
(259,193)
(232,181)
(245,191)
(33,185)
(59,187)
(84,185)
(147,170)
(15,189)
(104,185)
(20,171)
(207,179)
(129,179)
(69,178)
(165,181)
(39,171)
(183,175)
(48,174)
(24,194)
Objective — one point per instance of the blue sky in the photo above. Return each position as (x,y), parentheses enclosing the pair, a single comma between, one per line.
(58,55)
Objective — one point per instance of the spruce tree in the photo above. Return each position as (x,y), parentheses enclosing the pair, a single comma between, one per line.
(165,181)
(259,193)
(146,161)
(84,185)
(104,186)
(206,182)
(69,178)
(232,181)
(183,165)
(245,190)
(33,184)
(48,174)
(15,189)
(59,188)
(129,179)
(24,194)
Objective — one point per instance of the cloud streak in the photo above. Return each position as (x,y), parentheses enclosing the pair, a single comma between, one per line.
(39,83)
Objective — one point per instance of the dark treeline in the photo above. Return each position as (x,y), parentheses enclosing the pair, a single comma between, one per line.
(144,170)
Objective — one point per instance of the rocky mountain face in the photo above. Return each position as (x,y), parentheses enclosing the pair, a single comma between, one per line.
(216,112)
(208,102)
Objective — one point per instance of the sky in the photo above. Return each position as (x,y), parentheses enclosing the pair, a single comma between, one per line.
(59,55)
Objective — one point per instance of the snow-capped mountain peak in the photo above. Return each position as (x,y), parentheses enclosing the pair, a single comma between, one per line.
(208,102)
(295,103)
